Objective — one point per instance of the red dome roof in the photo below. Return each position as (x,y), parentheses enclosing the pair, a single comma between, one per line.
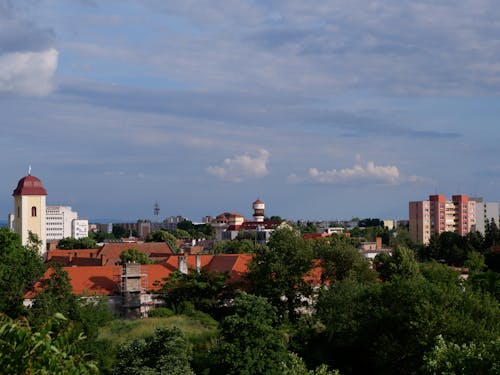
(30,185)
(258,201)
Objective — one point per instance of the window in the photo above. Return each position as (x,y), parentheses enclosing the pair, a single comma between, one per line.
(33,211)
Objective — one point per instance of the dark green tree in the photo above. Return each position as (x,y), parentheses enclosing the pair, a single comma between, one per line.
(206,290)
(52,349)
(20,267)
(250,342)
(163,236)
(166,352)
(73,243)
(277,271)
(340,259)
(134,256)
(401,263)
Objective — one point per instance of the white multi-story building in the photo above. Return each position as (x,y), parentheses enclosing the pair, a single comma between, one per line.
(485,212)
(59,222)
(80,228)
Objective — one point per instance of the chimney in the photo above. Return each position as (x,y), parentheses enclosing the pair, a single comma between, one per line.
(183,266)
(198,263)
(378,240)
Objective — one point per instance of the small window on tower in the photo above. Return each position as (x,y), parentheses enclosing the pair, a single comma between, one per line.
(33,211)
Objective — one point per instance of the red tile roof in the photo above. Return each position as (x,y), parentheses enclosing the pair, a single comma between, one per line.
(29,185)
(105,280)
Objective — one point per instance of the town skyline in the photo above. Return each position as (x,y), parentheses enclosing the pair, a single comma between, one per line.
(321,110)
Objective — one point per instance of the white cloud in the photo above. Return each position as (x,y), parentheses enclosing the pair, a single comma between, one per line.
(28,73)
(370,172)
(242,167)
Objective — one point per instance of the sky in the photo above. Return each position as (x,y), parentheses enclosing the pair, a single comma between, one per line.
(322,109)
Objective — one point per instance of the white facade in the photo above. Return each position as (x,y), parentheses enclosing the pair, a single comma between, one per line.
(59,222)
(485,212)
(80,228)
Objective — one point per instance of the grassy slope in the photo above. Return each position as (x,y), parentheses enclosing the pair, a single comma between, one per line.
(201,333)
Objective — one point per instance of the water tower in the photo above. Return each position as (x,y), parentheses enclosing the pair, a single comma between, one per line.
(258,210)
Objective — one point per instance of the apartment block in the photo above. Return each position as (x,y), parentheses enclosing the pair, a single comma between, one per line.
(438,215)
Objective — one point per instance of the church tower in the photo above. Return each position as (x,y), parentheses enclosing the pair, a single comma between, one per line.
(29,210)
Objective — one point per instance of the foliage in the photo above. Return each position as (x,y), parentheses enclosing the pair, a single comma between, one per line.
(475,262)
(56,296)
(448,358)
(401,263)
(163,236)
(250,343)
(395,323)
(488,281)
(20,267)
(51,350)
(233,247)
(73,243)
(277,271)
(181,234)
(296,366)
(340,260)
(134,256)
(161,312)
(206,290)
(166,352)
(120,231)
(308,228)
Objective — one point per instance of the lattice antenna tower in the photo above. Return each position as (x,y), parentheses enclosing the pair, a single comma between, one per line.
(156,209)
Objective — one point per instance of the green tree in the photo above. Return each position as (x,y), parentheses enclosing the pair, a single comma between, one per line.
(475,262)
(340,260)
(73,243)
(163,236)
(401,263)
(120,231)
(50,350)
(277,271)
(250,343)
(134,256)
(56,296)
(166,352)
(206,290)
(448,358)
(233,247)
(20,267)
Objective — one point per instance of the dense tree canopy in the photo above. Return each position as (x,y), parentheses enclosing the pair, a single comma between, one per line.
(277,271)
(20,267)
(73,243)
(134,256)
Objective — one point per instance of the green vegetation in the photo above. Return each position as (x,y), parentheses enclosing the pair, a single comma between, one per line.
(73,243)
(134,256)
(20,267)
(53,349)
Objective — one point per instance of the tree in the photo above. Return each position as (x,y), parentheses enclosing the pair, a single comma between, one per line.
(233,247)
(206,290)
(277,271)
(340,260)
(395,323)
(56,296)
(20,267)
(250,343)
(134,256)
(50,350)
(73,243)
(163,236)
(166,352)
(120,231)
(448,358)
(401,263)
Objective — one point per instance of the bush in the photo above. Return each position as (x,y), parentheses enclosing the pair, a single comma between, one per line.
(161,312)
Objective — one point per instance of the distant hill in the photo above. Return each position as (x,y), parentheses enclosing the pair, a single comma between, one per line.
(4,223)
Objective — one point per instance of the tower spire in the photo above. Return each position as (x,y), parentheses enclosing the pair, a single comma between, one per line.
(29,170)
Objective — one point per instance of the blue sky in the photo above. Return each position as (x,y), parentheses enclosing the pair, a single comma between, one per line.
(323,109)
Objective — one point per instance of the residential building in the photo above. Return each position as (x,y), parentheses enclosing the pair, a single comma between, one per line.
(438,215)
(485,212)
(79,228)
(59,222)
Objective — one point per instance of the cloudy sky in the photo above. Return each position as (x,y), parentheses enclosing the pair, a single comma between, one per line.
(323,109)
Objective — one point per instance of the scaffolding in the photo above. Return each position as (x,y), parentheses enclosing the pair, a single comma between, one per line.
(133,287)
